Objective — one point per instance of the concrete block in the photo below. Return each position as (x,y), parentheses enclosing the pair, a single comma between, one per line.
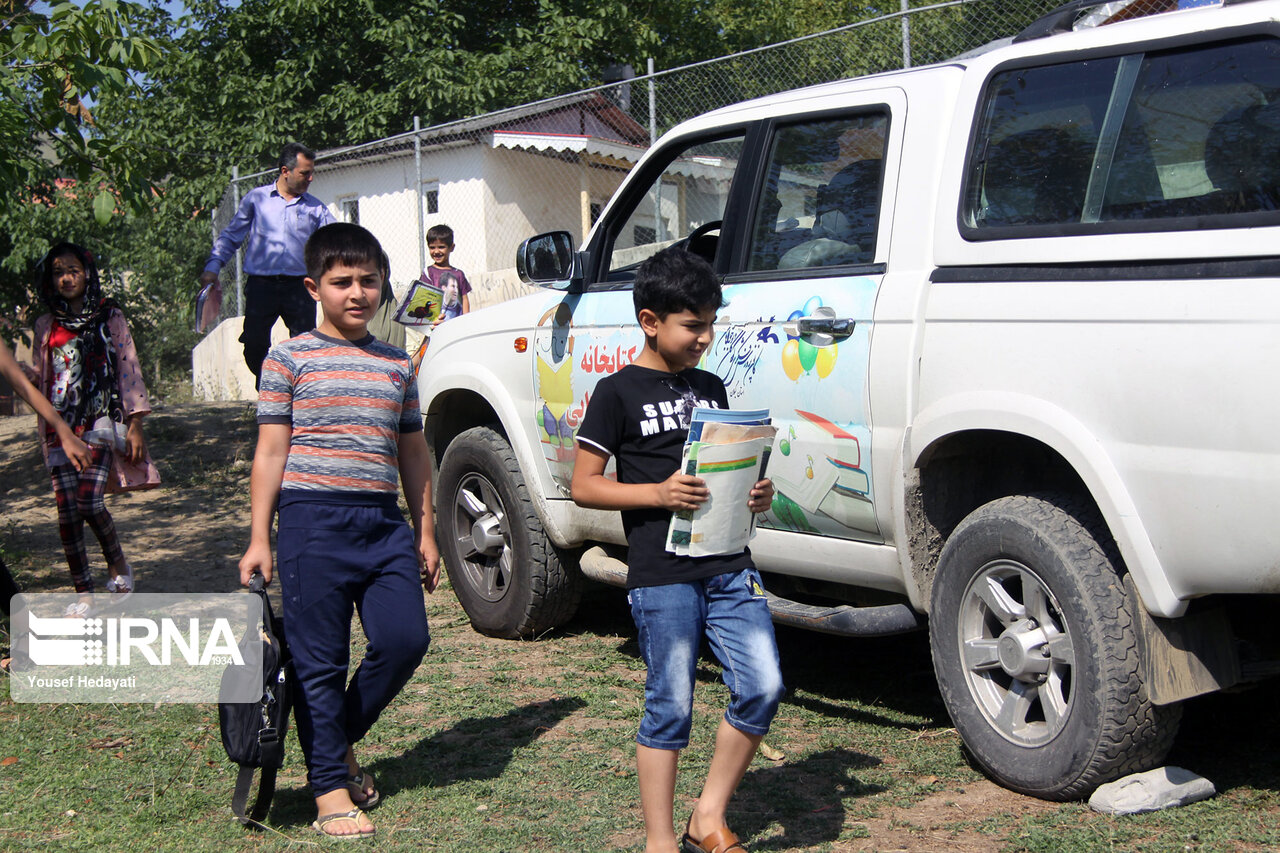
(218,371)
(1151,791)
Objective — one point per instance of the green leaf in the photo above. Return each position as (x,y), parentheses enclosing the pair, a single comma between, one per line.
(104,205)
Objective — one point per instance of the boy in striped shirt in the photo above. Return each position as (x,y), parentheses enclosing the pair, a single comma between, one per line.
(339,430)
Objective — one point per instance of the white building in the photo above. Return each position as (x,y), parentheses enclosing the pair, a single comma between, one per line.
(495,180)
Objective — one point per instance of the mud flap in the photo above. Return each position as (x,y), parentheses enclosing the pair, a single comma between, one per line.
(1185,657)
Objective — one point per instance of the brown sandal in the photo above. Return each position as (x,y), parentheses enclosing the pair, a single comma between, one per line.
(721,841)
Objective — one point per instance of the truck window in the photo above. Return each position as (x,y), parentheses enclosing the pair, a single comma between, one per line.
(1135,142)
(820,202)
(690,194)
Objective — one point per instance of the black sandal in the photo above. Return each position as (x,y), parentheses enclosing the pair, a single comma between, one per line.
(356,785)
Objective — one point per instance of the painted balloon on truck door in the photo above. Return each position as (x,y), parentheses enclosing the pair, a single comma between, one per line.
(815,388)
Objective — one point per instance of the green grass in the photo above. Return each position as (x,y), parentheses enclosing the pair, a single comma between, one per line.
(513,746)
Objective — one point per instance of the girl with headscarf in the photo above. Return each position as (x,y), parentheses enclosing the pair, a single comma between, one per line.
(87,366)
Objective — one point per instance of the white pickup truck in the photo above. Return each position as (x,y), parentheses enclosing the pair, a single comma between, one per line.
(1015,316)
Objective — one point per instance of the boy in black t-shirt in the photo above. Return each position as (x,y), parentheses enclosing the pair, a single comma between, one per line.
(640,416)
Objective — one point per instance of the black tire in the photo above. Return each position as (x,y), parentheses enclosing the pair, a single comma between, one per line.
(511,580)
(1035,650)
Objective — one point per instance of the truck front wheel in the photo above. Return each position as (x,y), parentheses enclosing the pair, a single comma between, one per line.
(510,579)
(1035,650)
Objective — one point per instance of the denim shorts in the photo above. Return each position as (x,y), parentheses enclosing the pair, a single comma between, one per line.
(731,610)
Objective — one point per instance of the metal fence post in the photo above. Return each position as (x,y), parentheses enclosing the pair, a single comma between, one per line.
(235,197)
(417,170)
(906,36)
(658,228)
(653,104)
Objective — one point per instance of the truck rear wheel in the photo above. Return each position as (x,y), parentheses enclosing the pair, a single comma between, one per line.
(510,579)
(1035,650)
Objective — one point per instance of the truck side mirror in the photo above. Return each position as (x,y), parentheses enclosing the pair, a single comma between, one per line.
(547,260)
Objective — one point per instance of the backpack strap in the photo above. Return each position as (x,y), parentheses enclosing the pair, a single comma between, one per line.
(266,790)
(271,746)
(262,803)
(244,781)
(270,740)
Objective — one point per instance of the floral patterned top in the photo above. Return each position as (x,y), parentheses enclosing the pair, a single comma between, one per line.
(133,393)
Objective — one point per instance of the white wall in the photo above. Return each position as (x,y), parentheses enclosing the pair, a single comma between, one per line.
(218,371)
(388,204)
(529,193)
(459,172)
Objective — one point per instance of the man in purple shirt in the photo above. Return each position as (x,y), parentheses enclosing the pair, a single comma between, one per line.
(277,219)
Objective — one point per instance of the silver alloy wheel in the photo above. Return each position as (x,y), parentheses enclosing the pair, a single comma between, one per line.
(1017,651)
(509,577)
(484,542)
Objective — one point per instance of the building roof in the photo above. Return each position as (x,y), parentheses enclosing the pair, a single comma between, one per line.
(621,153)
(583,122)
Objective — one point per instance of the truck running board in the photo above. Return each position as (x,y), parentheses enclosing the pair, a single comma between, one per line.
(843,620)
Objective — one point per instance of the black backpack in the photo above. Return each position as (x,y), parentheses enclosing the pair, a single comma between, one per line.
(253,732)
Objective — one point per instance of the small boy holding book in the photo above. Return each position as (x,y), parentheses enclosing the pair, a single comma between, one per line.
(451,282)
(640,416)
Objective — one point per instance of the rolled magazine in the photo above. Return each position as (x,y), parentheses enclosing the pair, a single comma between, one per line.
(208,306)
(729,451)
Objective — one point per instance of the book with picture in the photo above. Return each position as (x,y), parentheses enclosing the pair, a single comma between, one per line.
(421,305)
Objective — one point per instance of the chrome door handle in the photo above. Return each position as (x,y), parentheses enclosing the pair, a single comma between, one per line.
(837,327)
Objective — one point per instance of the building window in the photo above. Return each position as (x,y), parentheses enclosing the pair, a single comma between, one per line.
(431,199)
(350,208)
(596,207)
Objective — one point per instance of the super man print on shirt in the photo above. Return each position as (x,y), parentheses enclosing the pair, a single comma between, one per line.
(640,417)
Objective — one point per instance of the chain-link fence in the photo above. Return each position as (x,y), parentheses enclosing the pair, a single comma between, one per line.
(501,177)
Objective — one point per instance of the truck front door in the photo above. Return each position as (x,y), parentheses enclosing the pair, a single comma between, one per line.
(801,290)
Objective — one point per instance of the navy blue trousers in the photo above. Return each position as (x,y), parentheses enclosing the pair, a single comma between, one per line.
(335,553)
